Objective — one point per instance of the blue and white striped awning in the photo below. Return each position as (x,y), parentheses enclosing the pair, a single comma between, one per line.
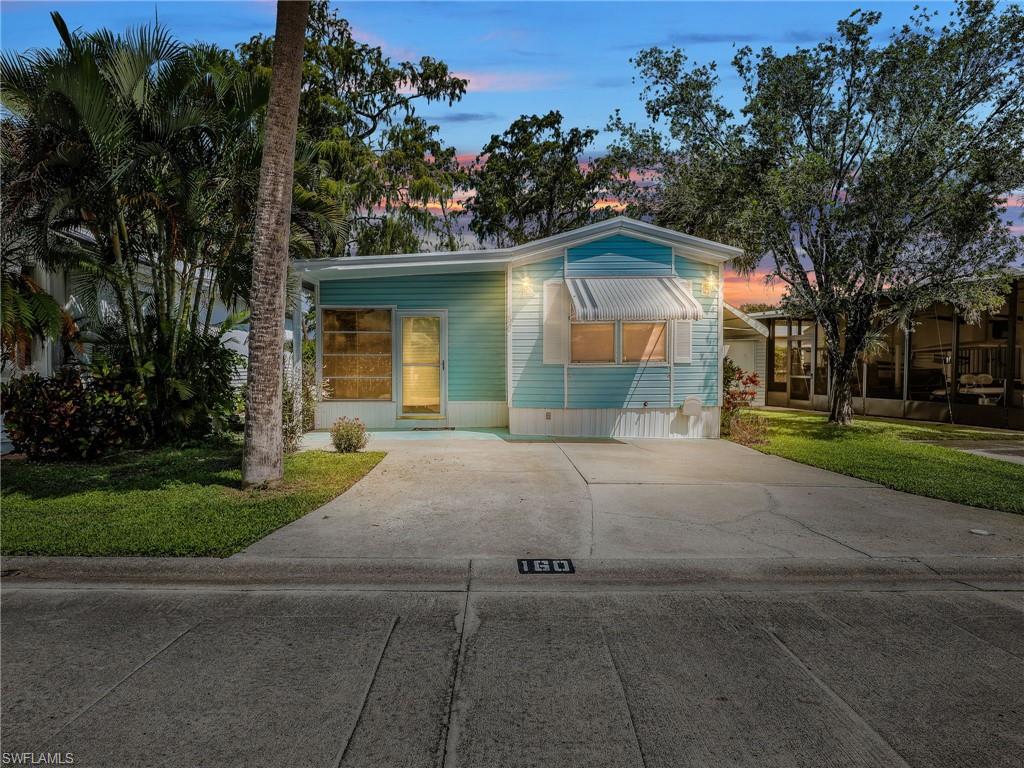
(632,298)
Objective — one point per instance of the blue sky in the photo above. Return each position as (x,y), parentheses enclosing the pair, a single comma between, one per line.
(525,57)
(520,58)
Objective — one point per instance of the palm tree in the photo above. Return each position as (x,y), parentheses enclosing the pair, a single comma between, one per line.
(263,460)
(130,161)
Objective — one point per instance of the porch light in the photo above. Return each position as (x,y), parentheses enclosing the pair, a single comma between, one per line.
(526,286)
(709,286)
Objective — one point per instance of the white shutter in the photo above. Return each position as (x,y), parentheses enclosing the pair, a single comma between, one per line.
(682,347)
(556,323)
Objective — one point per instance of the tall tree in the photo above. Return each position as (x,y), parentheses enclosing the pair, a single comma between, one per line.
(869,174)
(126,163)
(263,458)
(372,152)
(534,180)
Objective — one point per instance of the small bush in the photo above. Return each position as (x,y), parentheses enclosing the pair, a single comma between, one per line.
(748,428)
(74,414)
(348,435)
(739,388)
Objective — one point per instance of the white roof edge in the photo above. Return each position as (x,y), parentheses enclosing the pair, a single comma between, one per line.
(758,326)
(402,259)
(708,249)
(705,249)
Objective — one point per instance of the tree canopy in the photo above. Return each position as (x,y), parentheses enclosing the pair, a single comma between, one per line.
(375,155)
(868,174)
(535,180)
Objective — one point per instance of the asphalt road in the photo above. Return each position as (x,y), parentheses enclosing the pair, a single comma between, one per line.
(887,662)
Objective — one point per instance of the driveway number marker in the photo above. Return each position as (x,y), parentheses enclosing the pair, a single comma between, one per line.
(546,565)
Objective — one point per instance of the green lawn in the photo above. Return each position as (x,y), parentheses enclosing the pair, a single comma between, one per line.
(891,453)
(164,502)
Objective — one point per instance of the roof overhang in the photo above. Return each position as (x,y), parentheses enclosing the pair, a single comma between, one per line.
(741,323)
(596,299)
(696,248)
(349,267)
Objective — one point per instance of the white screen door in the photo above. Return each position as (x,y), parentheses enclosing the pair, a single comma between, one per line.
(423,366)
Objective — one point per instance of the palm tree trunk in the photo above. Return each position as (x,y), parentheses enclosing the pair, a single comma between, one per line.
(263,460)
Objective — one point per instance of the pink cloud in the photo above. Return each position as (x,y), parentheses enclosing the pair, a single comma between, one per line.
(505,82)
(370,38)
(751,289)
(1015,201)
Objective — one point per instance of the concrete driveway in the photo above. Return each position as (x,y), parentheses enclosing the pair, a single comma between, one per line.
(476,494)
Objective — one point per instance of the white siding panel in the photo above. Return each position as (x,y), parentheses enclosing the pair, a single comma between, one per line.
(614,422)
(373,415)
(556,323)
(462,414)
(682,351)
(483,413)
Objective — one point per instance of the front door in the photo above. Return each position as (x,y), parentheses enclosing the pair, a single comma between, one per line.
(424,367)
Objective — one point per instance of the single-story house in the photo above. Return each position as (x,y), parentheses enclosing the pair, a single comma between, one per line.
(942,368)
(612,329)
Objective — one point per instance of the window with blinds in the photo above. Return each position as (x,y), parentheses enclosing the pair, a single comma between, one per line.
(357,354)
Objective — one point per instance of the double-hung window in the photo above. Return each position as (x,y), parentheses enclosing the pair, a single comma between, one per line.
(357,354)
(644,342)
(593,343)
(615,343)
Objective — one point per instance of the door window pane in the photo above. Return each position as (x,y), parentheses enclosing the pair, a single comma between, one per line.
(421,340)
(777,367)
(421,365)
(357,354)
(885,366)
(643,342)
(800,359)
(593,342)
(931,354)
(1017,392)
(820,362)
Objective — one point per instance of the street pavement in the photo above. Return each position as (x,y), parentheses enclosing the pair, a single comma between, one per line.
(307,662)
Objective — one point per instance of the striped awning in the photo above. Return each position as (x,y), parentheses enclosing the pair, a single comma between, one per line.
(632,298)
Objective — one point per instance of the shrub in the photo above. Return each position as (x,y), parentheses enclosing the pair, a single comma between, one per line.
(189,395)
(739,388)
(291,419)
(75,414)
(748,428)
(348,435)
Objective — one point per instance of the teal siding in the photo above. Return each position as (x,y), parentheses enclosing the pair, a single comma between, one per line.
(620,255)
(476,321)
(531,383)
(619,387)
(535,385)
(700,377)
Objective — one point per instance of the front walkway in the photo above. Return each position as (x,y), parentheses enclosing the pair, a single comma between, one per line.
(482,494)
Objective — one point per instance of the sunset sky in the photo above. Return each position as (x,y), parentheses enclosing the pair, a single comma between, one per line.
(520,58)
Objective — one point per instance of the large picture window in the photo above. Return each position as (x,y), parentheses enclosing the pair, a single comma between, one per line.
(357,354)
(644,343)
(593,343)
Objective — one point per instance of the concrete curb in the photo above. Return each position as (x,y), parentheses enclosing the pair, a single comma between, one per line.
(501,574)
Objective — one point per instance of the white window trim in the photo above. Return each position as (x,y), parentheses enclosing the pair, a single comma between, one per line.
(392,308)
(619,362)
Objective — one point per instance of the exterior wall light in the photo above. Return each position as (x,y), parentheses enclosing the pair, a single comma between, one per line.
(709,285)
(526,286)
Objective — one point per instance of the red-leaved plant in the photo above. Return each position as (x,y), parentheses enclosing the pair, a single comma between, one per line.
(739,390)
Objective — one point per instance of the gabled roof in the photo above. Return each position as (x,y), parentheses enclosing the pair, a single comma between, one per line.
(498,258)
